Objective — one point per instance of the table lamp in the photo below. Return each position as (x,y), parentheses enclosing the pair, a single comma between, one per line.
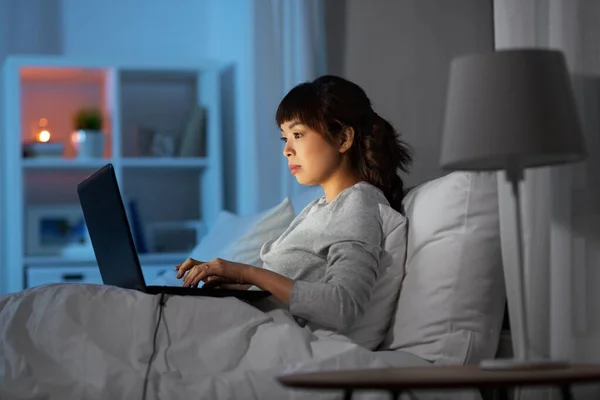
(510,110)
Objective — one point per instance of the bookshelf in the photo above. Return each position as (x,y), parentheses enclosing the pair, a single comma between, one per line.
(177,196)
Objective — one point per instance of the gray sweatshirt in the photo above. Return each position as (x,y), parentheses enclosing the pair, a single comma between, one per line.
(332,251)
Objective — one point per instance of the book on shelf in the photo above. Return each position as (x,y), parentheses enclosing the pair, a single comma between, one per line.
(193,137)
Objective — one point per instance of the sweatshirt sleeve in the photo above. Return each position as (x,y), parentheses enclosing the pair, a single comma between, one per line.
(341,296)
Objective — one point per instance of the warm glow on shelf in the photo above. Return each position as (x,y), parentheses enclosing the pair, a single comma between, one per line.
(43,136)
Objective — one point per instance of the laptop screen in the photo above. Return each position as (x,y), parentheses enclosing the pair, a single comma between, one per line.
(109,230)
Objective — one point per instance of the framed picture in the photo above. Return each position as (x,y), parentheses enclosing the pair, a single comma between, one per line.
(54,229)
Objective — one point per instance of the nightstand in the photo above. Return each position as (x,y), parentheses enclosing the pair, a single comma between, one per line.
(399,380)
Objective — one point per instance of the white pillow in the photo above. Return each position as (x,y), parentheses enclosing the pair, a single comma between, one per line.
(246,248)
(222,233)
(370,330)
(451,303)
(239,238)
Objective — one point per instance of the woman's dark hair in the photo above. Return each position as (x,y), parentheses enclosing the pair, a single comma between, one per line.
(330,105)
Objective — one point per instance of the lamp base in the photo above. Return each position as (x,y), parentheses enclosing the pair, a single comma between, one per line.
(515,364)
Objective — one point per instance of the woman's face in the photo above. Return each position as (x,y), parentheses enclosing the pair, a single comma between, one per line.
(311,158)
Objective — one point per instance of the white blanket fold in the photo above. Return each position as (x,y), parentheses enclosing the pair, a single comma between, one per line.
(73,341)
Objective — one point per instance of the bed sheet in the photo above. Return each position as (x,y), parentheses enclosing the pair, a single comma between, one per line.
(76,341)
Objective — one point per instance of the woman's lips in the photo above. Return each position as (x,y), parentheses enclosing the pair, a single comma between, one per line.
(294,169)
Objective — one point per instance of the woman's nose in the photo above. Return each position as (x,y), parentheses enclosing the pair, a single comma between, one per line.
(288,151)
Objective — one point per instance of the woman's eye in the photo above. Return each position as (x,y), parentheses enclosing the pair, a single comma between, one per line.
(297,135)
(284,140)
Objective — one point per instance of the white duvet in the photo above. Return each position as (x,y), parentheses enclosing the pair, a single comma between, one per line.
(73,341)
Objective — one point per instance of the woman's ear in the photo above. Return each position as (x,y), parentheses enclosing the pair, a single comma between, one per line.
(346,139)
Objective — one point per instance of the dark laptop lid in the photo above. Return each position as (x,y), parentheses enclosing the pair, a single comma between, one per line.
(109,230)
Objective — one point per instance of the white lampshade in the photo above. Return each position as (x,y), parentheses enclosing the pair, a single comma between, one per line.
(510,107)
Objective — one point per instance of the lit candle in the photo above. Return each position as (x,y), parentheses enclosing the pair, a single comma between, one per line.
(44,135)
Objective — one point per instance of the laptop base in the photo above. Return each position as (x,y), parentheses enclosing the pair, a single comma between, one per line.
(247,295)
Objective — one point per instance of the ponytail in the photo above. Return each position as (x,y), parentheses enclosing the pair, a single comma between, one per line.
(379,156)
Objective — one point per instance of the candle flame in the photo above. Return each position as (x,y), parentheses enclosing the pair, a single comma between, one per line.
(43,136)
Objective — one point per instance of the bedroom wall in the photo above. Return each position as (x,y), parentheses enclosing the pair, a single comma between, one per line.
(234,47)
(399,51)
(586,217)
(135,29)
(3,53)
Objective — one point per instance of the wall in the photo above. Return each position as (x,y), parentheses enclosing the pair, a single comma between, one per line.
(136,28)
(230,39)
(586,196)
(399,51)
(3,53)
(32,26)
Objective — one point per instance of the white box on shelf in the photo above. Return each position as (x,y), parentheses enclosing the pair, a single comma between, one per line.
(53,229)
(37,276)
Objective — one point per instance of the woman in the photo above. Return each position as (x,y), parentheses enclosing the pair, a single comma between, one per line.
(324,266)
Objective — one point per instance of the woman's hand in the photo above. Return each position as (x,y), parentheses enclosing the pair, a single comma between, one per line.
(229,274)
(213,273)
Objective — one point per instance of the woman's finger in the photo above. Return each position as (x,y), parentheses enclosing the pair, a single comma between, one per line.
(198,273)
(186,266)
(204,272)
(190,275)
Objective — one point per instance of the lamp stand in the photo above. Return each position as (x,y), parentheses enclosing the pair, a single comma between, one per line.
(524,361)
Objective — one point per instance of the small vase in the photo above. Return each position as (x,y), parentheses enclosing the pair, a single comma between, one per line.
(88,143)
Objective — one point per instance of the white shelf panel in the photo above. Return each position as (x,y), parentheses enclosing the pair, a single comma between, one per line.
(145,259)
(159,162)
(56,260)
(146,162)
(160,258)
(135,63)
(62,163)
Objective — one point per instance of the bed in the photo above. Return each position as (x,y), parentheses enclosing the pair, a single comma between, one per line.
(76,341)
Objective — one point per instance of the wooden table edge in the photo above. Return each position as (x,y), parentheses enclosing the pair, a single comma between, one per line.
(392,378)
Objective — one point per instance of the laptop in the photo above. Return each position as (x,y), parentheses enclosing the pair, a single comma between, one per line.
(113,244)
